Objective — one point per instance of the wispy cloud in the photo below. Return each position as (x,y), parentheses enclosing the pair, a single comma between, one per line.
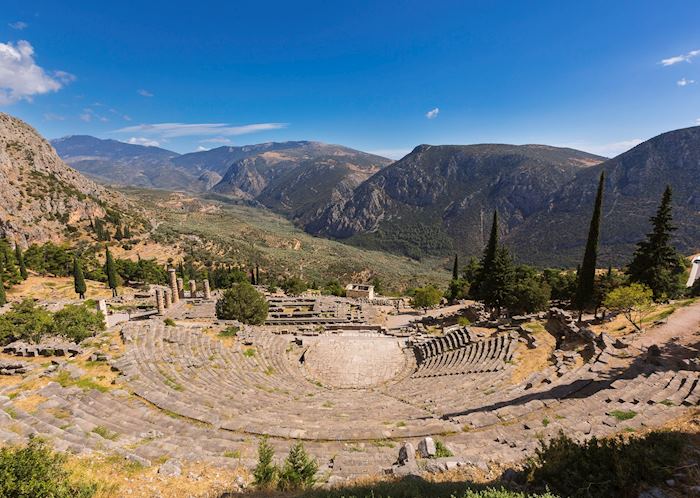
(143,141)
(201,149)
(21,78)
(174,130)
(680,58)
(49,116)
(88,115)
(433,113)
(697,121)
(144,93)
(684,82)
(18,25)
(614,148)
(217,140)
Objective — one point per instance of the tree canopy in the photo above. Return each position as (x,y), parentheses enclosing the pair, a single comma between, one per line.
(243,303)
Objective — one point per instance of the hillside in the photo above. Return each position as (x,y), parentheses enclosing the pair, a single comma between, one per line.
(43,199)
(114,162)
(301,179)
(634,183)
(439,199)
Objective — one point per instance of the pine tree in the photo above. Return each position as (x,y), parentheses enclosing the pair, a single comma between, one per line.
(498,285)
(20,261)
(127,232)
(486,260)
(455,269)
(111,271)
(78,278)
(118,235)
(656,263)
(586,276)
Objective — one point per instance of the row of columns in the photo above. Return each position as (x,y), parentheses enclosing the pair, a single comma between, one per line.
(172,295)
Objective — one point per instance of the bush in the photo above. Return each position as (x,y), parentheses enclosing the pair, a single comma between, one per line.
(299,471)
(25,321)
(77,322)
(294,286)
(265,472)
(442,451)
(426,297)
(169,322)
(243,303)
(36,471)
(600,468)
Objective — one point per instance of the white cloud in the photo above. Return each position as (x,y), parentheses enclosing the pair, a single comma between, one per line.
(21,78)
(49,116)
(697,121)
(201,149)
(680,58)
(18,25)
(174,130)
(684,82)
(143,141)
(216,140)
(433,113)
(144,93)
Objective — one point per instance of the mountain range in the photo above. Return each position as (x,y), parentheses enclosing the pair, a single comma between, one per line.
(438,199)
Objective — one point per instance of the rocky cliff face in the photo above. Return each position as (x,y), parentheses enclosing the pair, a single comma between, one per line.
(301,179)
(439,199)
(42,198)
(635,181)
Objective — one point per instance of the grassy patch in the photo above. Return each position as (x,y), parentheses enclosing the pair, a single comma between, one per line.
(622,415)
(105,433)
(249,352)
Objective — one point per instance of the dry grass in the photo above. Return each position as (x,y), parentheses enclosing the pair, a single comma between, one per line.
(117,478)
(55,289)
(528,361)
(29,403)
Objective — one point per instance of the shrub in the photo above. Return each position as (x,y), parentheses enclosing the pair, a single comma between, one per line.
(25,321)
(294,286)
(600,468)
(229,332)
(77,322)
(34,471)
(169,322)
(426,297)
(442,451)
(265,472)
(299,470)
(243,303)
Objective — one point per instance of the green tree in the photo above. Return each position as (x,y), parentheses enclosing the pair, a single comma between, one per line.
(19,257)
(265,472)
(605,284)
(294,286)
(455,268)
(634,301)
(111,271)
(25,321)
(3,295)
(426,297)
(78,278)
(586,276)
(458,289)
(118,235)
(299,470)
(656,263)
(77,322)
(487,260)
(531,293)
(498,285)
(36,471)
(562,283)
(243,303)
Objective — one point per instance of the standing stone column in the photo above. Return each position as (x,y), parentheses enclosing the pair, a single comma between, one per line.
(167,297)
(193,289)
(159,301)
(207,290)
(102,307)
(173,285)
(181,288)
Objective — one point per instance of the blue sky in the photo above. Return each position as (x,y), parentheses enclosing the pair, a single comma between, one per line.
(377,76)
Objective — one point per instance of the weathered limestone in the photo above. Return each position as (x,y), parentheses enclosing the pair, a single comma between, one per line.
(168,299)
(173,285)
(207,290)
(427,448)
(102,307)
(181,288)
(193,288)
(160,304)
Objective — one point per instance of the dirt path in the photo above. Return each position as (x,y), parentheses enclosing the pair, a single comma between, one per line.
(684,323)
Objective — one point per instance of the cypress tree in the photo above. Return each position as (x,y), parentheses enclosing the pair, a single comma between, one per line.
(498,287)
(492,245)
(257,274)
(78,278)
(455,269)
(252,277)
(118,235)
(656,263)
(586,276)
(111,271)
(20,261)
(3,297)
